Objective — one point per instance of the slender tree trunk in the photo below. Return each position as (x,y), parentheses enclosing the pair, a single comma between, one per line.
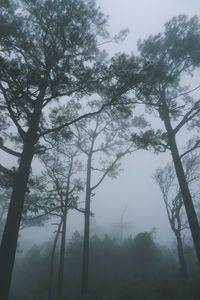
(62,258)
(52,262)
(10,235)
(85,261)
(182,262)
(63,239)
(187,199)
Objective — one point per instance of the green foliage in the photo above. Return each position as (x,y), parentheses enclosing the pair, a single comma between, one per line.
(50,45)
(136,269)
(151,139)
(165,58)
(57,189)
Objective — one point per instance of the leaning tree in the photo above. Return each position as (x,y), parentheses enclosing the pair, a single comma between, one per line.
(165,60)
(167,182)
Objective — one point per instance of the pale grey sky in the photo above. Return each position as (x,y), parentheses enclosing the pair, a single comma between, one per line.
(134,186)
(143,17)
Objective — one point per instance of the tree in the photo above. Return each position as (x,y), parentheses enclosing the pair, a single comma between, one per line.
(165,178)
(145,257)
(57,193)
(51,269)
(104,139)
(49,52)
(165,59)
(115,271)
(4,202)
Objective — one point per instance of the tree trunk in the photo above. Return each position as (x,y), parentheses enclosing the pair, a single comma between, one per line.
(85,261)
(11,230)
(182,262)
(187,199)
(62,258)
(52,262)
(10,235)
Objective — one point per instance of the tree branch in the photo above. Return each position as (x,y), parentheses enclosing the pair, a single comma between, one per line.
(7,171)
(12,115)
(87,115)
(196,145)
(10,151)
(3,107)
(188,116)
(118,157)
(186,93)
(82,210)
(45,214)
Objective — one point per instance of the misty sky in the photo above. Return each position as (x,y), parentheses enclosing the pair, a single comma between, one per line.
(134,187)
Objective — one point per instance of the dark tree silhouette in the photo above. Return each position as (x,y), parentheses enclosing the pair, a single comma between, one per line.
(56,193)
(165,59)
(49,51)
(105,140)
(166,179)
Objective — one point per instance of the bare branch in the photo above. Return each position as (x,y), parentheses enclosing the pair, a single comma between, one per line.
(7,171)
(118,157)
(186,93)
(87,115)
(188,116)
(10,151)
(197,144)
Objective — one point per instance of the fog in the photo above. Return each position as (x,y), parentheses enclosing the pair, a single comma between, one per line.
(130,227)
(134,188)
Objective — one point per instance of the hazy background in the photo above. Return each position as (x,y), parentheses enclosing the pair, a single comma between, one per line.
(134,190)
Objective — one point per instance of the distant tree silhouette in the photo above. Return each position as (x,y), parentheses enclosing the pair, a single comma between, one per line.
(166,179)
